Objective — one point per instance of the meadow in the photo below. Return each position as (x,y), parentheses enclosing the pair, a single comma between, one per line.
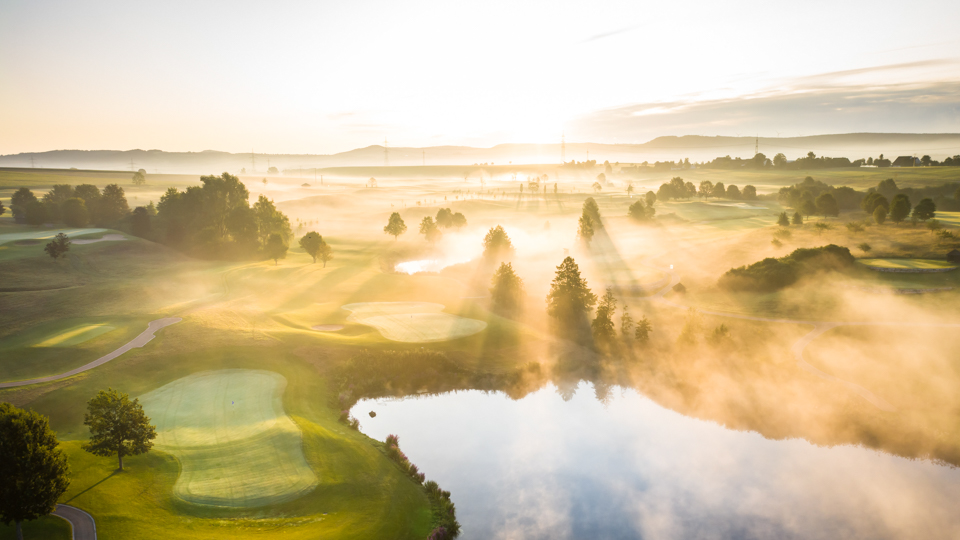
(244,390)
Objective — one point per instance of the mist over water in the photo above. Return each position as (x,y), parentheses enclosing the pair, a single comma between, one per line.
(542,467)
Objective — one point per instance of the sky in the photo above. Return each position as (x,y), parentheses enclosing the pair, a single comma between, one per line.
(324,77)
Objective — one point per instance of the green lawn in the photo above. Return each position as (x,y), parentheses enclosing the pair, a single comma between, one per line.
(913,264)
(45,528)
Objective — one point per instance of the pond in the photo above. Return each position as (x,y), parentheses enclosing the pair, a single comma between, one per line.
(542,467)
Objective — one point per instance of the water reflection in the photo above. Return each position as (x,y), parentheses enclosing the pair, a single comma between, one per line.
(543,467)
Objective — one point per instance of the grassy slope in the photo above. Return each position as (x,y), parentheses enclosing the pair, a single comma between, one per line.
(45,528)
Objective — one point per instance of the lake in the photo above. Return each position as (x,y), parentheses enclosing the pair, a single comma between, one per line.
(542,467)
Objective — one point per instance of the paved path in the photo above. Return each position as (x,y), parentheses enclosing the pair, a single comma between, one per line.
(81,523)
(136,342)
(819,328)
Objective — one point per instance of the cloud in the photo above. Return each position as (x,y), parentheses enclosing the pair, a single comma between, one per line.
(603,35)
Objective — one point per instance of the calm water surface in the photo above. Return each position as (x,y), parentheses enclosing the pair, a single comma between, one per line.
(542,467)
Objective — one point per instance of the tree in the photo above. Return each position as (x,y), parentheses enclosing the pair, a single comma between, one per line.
(19,202)
(267,220)
(630,190)
(865,247)
(934,225)
(651,197)
(797,218)
(74,212)
(706,189)
(429,229)
(275,248)
(779,160)
(570,300)
(642,334)
(58,247)
(718,190)
(91,198)
(459,220)
(783,220)
(872,201)
(827,204)
(140,222)
(310,243)
(395,226)
(273,170)
(36,213)
(854,227)
(497,245)
(591,209)
(118,426)
(808,208)
(925,209)
(506,291)
(602,326)
(626,322)
(113,204)
(139,178)
(3,209)
(733,192)
(325,253)
(33,468)
(899,208)
(444,218)
(822,226)
(749,193)
(637,212)
(879,215)
(585,228)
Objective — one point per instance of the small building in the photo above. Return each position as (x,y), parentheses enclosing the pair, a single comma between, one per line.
(954,256)
(906,161)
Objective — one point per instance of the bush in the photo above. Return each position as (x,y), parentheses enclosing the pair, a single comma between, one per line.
(774,274)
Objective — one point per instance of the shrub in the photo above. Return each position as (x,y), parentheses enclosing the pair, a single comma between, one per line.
(774,274)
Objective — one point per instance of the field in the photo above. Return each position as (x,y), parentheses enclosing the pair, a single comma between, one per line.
(907,264)
(236,446)
(244,391)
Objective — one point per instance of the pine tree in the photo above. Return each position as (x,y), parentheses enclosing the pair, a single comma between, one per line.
(626,322)
(642,333)
(570,300)
(783,220)
(506,291)
(395,226)
(602,326)
(797,218)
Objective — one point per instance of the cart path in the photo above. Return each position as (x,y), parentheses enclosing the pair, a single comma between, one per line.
(135,343)
(819,328)
(81,523)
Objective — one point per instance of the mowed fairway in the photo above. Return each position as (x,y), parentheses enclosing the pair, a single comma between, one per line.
(907,264)
(236,445)
(413,322)
(76,336)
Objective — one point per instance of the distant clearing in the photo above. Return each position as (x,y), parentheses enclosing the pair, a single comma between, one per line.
(908,264)
(413,322)
(76,336)
(236,445)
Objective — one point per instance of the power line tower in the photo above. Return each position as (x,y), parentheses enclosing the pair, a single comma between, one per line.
(563,148)
(386,158)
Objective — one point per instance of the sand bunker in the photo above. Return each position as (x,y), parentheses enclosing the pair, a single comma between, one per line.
(236,445)
(104,238)
(328,327)
(413,322)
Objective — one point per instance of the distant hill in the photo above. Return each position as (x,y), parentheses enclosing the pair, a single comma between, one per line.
(694,147)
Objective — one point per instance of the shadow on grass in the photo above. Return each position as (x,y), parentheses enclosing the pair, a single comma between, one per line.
(109,476)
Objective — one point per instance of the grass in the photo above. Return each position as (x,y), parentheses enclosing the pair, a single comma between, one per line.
(413,322)
(45,528)
(236,445)
(76,336)
(46,234)
(912,264)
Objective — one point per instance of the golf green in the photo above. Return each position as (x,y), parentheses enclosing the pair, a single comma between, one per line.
(236,445)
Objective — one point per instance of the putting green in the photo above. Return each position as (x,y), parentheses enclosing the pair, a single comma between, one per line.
(236,445)
(76,336)
(917,264)
(413,322)
(44,235)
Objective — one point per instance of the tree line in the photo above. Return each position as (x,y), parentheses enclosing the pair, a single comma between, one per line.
(74,206)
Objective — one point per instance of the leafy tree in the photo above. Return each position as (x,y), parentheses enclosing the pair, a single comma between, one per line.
(706,189)
(395,226)
(3,209)
(596,186)
(808,208)
(497,245)
(139,178)
(872,201)
(459,220)
(749,193)
(733,192)
(879,215)
(718,190)
(506,291)
(429,229)
(779,160)
(776,242)
(630,189)
(140,222)
(822,226)
(36,213)
(20,200)
(91,198)
(637,212)
(865,247)
(642,333)
(626,322)
(899,208)
(925,209)
(651,197)
(797,218)
(310,243)
(273,170)
(118,426)
(570,300)
(268,220)
(602,326)
(888,188)
(58,247)
(827,204)
(585,228)
(783,220)
(74,212)
(444,218)
(113,204)
(591,209)
(56,196)
(33,469)
(934,225)
(275,248)
(325,252)
(854,227)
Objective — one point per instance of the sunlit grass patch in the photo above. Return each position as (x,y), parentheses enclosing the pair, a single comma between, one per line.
(236,445)
(76,335)
(912,264)
(413,322)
